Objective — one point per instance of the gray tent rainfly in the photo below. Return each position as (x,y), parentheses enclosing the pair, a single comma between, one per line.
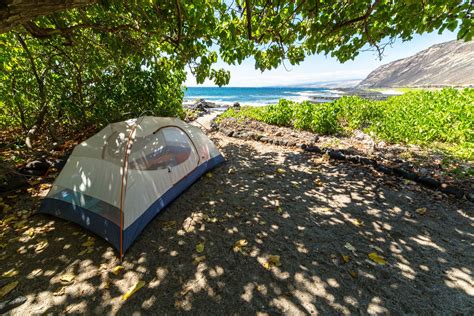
(115,182)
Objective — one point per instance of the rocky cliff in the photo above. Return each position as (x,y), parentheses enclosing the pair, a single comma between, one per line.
(445,64)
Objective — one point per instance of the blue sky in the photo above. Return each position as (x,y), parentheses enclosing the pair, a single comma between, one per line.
(318,68)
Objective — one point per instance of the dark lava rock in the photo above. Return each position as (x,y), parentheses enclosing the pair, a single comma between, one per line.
(251,135)
(429,182)
(452,190)
(312,149)
(35,168)
(236,105)
(384,169)
(335,154)
(12,182)
(367,161)
(470,196)
(303,146)
(354,159)
(404,173)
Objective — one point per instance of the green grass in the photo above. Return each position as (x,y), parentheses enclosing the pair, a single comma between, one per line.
(443,119)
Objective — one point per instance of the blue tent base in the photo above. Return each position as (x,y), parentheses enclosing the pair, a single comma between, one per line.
(109,230)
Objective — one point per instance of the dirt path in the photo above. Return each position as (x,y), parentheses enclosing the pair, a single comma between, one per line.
(322,219)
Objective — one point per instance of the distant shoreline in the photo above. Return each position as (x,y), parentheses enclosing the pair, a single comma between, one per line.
(225,97)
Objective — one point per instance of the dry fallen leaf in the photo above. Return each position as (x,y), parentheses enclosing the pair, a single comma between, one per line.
(30,232)
(346,259)
(376,258)
(209,175)
(273,260)
(133,290)
(326,209)
(8,219)
(67,278)
(45,186)
(348,246)
(21,224)
(199,259)
(318,183)
(325,157)
(280,171)
(117,270)
(239,245)
(357,222)
(353,274)
(89,243)
(185,290)
(421,210)
(10,273)
(8,288)
(60,292)
(168,224)
(41,245)
(200,247)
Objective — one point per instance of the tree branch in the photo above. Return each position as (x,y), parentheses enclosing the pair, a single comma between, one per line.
(249,19)
(41,32)
(369,11)
(180,21)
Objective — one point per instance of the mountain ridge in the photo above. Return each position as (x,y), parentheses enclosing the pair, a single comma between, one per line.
(449,64)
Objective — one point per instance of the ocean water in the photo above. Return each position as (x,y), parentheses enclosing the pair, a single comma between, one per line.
(254,95)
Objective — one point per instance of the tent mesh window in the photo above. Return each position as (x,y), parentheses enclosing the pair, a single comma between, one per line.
(166,148)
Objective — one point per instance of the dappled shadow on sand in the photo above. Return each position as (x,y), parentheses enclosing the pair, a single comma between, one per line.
(311,216)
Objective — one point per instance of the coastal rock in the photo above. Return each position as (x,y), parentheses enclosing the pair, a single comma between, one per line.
(236,105)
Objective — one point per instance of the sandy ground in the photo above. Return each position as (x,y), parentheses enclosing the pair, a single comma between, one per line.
(322,219)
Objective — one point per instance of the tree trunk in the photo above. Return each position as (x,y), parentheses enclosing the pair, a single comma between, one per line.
(42,95)
(15,12)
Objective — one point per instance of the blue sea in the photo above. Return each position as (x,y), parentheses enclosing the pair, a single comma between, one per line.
(254,95)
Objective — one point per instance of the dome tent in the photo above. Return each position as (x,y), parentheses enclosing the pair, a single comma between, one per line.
(115,182)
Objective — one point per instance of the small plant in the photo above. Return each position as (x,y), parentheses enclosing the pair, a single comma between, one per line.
(443,119)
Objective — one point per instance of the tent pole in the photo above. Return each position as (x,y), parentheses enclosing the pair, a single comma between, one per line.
(122,187)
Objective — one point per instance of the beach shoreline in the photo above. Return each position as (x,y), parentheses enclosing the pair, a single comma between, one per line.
(313,95)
